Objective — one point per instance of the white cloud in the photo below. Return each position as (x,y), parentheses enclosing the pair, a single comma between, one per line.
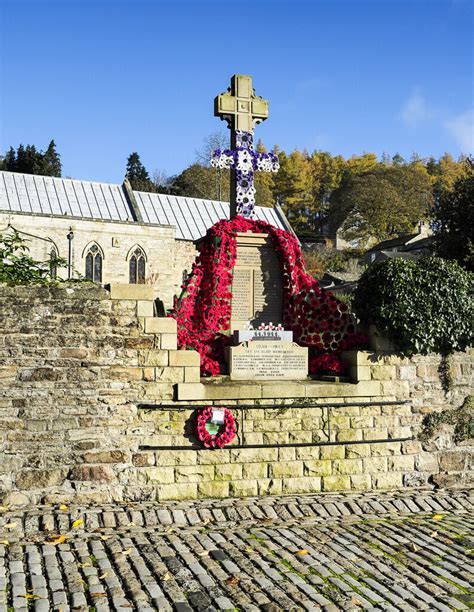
(461,128)
(415,109)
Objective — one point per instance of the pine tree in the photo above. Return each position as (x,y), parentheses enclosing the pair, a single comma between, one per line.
(138,175)
(51,162)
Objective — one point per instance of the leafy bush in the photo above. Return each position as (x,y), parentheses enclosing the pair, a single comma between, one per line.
(18,267)
(422,306)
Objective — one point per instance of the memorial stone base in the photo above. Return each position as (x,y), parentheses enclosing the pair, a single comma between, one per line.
(267,360)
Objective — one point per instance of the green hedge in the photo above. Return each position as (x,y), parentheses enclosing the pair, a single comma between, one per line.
(422,305)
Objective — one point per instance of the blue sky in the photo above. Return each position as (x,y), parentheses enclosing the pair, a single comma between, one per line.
(105,78)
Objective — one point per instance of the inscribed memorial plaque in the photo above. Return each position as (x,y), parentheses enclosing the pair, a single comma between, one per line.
(256,288)
(268,361)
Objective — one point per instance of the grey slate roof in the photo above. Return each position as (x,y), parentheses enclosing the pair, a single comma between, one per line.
(192,217)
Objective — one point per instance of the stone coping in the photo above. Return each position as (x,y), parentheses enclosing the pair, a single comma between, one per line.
(222,388)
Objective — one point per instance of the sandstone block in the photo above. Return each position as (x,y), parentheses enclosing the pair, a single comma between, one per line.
(243,488)
(411,447)
(318,467)
(392,480)
(175,457)
(302,485)
(289,454)
(254,455)
(336,483)
(452,461)
(106,456)
(160,325)
(374,464)
(401,463)
(8,372)
(399,389)
(194,473)
(159,475)
(359,372)
(349,435)
(385,449)
(332,452)
(253,438)
(192,375)
(254,471)
(125,373)
(16,499)
(73,353)
(347,466)
(40,479)
(145,308)
(354,451)
(218,490)
(383,372)
(149,374)
(361,358)
(153,357)
(218,456)
(407,372)
(270,486)
(361,482)
(229,471)
(169,341)
(169,375)
(99,473)
(131,292)
(184,358)
(191,391)
(143,459)
(186,490)
(286,469)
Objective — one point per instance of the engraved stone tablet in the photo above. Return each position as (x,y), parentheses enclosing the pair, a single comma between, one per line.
(267,361)
(256,288)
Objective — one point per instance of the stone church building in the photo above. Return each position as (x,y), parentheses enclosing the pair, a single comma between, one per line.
(110,233)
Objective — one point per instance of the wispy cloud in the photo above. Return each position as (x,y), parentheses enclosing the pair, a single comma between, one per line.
(415,110)
(461,128)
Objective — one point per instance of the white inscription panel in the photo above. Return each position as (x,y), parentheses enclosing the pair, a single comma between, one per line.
(268,361)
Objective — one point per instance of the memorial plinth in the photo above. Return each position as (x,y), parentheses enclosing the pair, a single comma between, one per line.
(267,360)
(256,287)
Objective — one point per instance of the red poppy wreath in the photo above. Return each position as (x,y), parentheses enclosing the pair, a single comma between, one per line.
(212,435)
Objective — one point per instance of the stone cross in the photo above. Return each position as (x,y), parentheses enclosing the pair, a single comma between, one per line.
(242,110)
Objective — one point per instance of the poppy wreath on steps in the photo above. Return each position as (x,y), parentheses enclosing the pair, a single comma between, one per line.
(226,432)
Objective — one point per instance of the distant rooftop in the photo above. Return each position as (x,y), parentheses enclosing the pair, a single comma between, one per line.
(58,197)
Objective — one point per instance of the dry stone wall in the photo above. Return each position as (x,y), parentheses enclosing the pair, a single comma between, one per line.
(80,366)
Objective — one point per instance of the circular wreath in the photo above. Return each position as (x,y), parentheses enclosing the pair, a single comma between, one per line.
(226,431)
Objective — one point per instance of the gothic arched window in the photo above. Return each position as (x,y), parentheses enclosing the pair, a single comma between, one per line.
(94,264)
(137,267)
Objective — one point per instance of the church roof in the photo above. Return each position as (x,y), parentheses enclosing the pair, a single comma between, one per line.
(61,197)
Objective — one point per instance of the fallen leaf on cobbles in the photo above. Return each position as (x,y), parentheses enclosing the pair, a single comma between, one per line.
(166,577)
(232,581)
(105,537)
(63,507)
(126,552)
(98,594)
(131,524)
(5,542)
(78,523)
(266,520)
(356,602)
(437,517)
(104,575)
(413,547)
(86,564)
(303,551)
(446,541)
(30,596)
(3,508)
(250,550)
(56,539)
(433,534)
(10,525)
(203,553)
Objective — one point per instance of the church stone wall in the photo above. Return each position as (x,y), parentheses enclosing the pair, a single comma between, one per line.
(166,257)
(77,365)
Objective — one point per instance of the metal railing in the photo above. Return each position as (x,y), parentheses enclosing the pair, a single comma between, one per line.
(298,403)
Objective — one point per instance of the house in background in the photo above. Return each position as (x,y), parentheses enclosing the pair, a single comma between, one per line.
(409,247)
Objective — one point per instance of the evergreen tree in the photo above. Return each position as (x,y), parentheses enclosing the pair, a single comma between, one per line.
(138,175)
(51,162)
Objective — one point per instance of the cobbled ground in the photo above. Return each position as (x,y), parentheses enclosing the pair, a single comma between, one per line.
(404,551)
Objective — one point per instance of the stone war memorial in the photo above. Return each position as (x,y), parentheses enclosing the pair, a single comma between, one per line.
(104,401)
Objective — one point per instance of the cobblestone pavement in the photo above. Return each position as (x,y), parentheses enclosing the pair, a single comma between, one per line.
(410,551)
